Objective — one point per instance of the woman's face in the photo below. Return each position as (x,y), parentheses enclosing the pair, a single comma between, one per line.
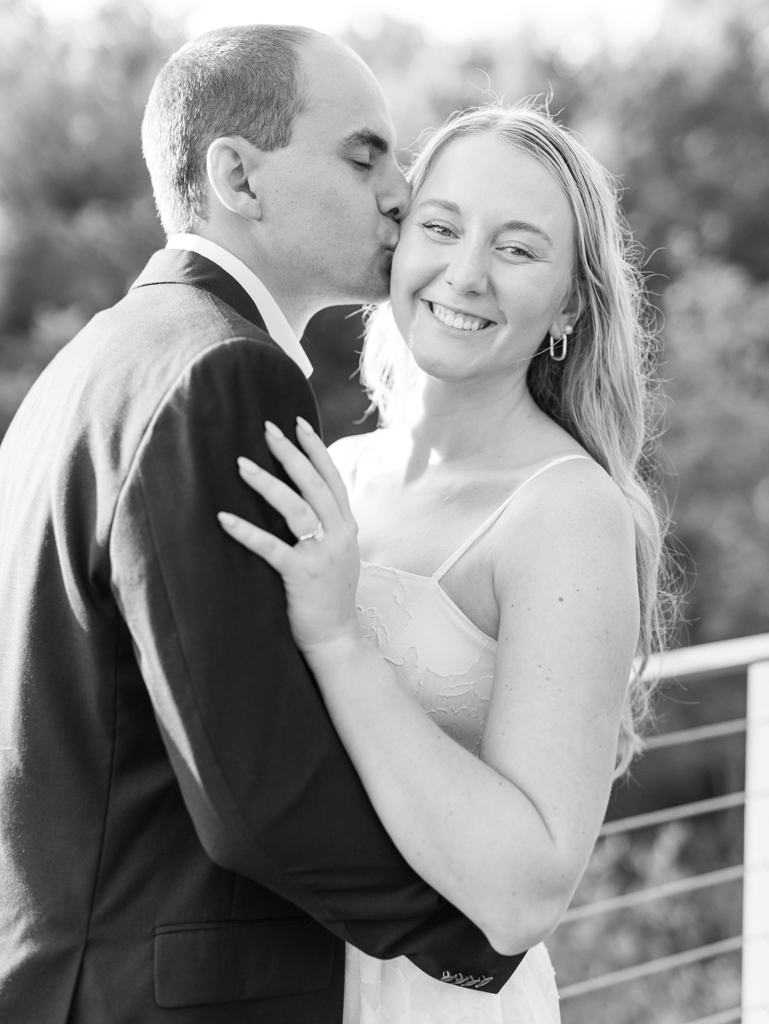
(483,270)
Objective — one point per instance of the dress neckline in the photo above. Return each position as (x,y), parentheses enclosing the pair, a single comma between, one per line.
(436,586)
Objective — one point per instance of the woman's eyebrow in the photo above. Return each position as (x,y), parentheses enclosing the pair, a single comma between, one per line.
(443,204)
(367,137)
(523,225)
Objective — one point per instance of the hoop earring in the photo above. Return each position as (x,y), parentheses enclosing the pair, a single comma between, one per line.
(563,341)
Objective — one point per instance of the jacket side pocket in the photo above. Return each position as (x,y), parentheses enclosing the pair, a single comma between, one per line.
(233,961)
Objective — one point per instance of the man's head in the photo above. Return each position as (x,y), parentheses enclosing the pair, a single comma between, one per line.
(276,142)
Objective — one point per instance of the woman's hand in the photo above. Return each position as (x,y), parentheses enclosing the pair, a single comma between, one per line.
(320,572)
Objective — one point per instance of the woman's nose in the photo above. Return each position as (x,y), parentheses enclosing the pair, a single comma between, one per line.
(466,270)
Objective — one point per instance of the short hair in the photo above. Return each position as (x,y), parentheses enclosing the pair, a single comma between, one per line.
(242,81)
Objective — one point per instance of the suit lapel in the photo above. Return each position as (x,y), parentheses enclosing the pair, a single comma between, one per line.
(179,266)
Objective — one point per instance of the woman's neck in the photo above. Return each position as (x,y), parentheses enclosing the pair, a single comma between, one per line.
(488,423)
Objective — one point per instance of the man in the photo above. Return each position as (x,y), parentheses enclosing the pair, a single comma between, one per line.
(182,836)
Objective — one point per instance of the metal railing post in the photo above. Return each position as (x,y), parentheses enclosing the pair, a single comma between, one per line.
(755,926)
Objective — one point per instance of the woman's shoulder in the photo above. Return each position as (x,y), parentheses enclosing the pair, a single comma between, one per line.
(579,491)
(573,503)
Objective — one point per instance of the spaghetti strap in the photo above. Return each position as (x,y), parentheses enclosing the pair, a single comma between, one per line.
(441,572)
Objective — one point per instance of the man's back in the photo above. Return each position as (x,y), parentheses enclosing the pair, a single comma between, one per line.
(97,849)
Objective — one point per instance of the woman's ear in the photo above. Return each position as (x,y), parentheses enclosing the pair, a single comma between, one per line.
(232,166)
(569,313)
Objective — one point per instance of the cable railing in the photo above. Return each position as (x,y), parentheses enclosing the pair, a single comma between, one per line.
(706,662)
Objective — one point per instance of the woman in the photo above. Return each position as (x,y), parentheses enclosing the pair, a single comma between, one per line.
(511,550)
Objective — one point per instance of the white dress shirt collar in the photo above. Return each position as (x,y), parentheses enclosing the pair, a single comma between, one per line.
(275,321)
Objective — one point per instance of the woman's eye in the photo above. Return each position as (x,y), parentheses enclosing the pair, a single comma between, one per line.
(516,250)
(438,229)
(365,165)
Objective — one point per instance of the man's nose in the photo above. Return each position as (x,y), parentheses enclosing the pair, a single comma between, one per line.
(395,197)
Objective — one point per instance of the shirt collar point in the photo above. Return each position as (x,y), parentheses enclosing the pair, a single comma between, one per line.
(274,318)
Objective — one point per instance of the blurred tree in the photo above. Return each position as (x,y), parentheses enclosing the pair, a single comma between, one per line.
(684,121)
(74,185)
(424,83)
(717,339)
(686,125)
(76,209)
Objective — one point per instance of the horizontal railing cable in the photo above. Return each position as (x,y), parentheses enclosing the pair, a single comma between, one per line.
(636,821)
(701,732)
(657,892)
(651,967)
(696,665)
(724,1017)
(667,814)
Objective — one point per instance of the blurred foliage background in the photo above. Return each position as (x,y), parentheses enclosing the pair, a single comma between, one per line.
(684,123)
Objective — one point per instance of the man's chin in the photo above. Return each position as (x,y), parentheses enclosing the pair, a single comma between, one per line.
(374,290)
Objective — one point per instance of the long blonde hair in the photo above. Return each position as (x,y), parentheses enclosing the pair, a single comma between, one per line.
(604,393)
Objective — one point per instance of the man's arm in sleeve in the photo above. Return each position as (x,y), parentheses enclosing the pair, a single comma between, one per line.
(270,788)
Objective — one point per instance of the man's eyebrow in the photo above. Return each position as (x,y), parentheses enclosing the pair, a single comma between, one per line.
(367,137)
(511,225)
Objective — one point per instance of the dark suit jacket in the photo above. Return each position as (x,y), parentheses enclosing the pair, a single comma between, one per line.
(182,836)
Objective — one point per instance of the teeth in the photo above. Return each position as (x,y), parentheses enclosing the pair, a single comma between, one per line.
(459,321)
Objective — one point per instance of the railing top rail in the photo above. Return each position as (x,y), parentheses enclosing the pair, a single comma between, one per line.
(706,659)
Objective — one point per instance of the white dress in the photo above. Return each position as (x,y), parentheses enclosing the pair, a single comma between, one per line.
(447,663)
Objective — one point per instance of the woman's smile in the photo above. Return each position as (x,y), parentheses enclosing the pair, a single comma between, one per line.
(457,319)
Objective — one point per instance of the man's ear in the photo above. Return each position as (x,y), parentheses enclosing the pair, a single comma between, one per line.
(232,166)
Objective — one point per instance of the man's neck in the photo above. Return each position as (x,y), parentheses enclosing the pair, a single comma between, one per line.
(296,308)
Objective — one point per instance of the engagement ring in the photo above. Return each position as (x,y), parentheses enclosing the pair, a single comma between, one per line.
(317,534)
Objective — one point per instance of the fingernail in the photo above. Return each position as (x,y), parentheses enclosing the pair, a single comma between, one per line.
(248,466)
(273,431)
(227,519)
(302,424)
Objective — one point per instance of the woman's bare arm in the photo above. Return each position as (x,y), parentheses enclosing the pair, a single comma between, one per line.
(505,838)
